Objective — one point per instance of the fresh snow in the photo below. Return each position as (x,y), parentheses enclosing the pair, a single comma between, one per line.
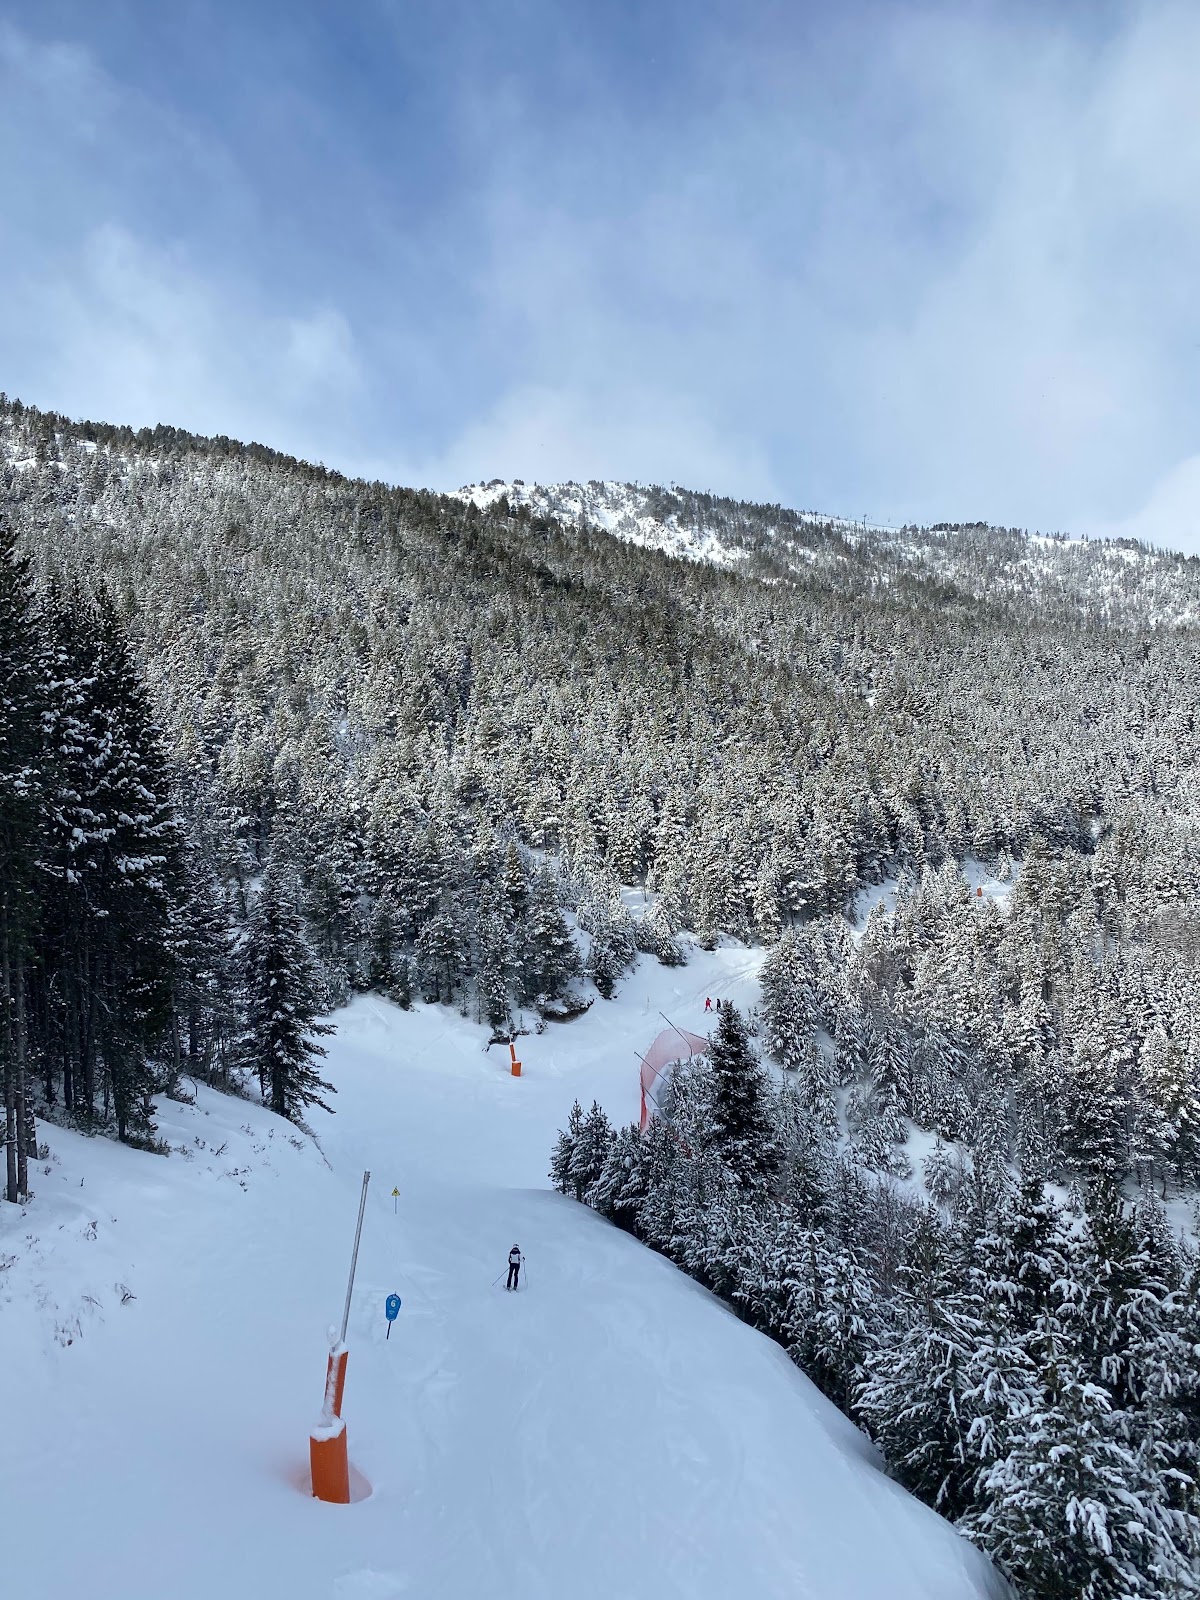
(617,508)
(611,1431)
(885,896)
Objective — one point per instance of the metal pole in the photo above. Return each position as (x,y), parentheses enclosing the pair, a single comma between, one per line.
(679,1031)
(646,1091)
(362,1206)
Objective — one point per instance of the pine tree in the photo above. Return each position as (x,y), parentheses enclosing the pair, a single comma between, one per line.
(114,862)
(494,961)
(564,1150)
(282,1003)
(440,957)
(1168,1106)
(877,1107)
(739,1128)
(655,935)
(1070,1513)
(589,1151)
(839,1323)
(1115,1296)
(1022,1261)
(786,980)
(1093,1108)
(913,1395)
(22,691)
(549,956)
(620,1190)
(612,944)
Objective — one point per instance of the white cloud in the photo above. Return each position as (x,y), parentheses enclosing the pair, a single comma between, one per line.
(128,331)
(944,267)
(550,435)
(1170,516)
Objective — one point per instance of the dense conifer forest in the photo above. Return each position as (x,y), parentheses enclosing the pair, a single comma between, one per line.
(265,730)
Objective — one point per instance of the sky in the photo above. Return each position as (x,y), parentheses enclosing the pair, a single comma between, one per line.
(908,262)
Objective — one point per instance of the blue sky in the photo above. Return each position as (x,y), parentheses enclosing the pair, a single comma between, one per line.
(908,261)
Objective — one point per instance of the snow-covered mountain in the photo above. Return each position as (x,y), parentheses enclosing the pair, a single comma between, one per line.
(1110,579)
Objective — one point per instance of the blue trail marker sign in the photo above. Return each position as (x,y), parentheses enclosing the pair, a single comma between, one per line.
(391,1311)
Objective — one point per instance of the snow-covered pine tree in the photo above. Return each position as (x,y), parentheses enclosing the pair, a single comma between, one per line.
(1167,1127)
(787,999)
(613,947)
(493,960)
(912,1395)
(1070,1512)
(621,1188)
(113,860)
(589,1151)
(739,1127)
(1093,1106)
(282,1003)
(22,754)
(564,1149)
(1022,1262)
(441,956)
(549,956)
(877,1107)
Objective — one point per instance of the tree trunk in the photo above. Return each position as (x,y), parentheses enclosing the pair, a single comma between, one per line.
(11,1184)
(87,1061)
(20,1106)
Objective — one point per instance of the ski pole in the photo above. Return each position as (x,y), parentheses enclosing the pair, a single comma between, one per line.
(496,1279)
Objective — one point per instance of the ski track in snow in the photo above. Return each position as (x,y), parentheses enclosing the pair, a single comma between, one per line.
(610,1432)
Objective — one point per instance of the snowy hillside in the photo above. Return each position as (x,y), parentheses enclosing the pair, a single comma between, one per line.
(1110,579)
(611,1431)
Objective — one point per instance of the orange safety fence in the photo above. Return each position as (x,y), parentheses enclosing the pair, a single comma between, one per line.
(672,1045)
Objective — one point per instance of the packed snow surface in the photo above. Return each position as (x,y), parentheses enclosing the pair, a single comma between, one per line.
(610,1432)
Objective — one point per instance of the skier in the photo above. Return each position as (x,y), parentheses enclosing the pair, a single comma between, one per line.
(708,1002)
(514,1267)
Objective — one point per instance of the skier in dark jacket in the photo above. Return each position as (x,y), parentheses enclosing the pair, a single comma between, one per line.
(514,1267)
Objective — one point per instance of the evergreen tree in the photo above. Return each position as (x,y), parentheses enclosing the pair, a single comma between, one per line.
(590,1149)
(1070,1513)
(22,691)
(913,1396)
(440,957)
(494,962)
(622,1186)
(739,1128)
(564,1150)
(282,1004)
(549,957)
(787,1000)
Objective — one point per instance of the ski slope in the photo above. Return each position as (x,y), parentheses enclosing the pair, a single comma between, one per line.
(611,1432)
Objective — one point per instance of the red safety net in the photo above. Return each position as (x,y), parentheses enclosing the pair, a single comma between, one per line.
(672,1045)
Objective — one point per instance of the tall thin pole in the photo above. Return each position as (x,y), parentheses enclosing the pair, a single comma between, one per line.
(679,1031)
(362,1206)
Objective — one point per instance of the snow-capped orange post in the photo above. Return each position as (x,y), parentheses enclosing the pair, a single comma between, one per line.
(327,1457)
(516,1065)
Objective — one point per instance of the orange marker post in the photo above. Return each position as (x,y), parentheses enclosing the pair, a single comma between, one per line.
(327,1457)
(516,1065)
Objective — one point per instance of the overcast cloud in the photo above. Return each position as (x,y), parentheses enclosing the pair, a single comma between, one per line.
(913,262)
